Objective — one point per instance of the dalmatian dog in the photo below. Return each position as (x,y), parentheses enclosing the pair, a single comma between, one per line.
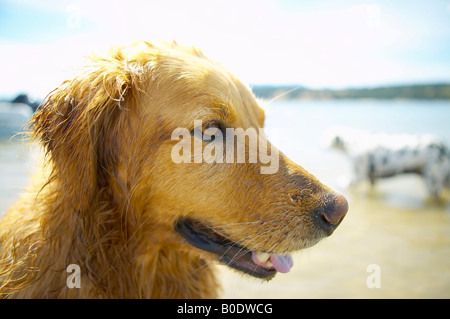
(379,155)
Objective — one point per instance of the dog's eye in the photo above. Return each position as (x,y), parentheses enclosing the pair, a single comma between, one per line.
(212,130)
(209,131)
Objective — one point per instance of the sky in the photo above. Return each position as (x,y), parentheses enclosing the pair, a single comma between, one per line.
(317,44)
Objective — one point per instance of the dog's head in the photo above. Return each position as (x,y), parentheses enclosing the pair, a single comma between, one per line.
(175,142)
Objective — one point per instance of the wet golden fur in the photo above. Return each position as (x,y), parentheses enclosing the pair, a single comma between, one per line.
(108,194)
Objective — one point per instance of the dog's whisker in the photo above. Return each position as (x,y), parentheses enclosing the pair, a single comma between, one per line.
(279,96)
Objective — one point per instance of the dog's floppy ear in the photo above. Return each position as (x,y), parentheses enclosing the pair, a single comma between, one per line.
(77,126)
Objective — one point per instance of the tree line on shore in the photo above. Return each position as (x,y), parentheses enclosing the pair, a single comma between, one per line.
(418,91)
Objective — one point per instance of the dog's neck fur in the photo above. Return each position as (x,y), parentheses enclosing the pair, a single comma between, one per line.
(113,263)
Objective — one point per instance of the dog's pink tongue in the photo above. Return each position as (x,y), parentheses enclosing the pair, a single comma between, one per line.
(282,263)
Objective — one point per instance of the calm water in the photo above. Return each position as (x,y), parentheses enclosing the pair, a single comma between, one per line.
(394,226)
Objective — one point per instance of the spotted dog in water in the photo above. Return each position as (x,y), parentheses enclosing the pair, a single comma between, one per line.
(377,155)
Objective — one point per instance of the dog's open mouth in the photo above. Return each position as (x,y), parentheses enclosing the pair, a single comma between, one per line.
(258,264)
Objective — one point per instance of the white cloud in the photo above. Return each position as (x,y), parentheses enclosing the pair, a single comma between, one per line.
(351,43)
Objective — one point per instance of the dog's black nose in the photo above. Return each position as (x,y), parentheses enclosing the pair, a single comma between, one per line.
(336,211)
(333,213)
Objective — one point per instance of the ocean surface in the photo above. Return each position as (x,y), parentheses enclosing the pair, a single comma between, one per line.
(394,241)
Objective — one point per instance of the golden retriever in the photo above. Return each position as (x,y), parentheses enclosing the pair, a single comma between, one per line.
(113,215)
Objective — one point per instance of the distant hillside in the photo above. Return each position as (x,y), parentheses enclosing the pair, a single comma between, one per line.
(418,92)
